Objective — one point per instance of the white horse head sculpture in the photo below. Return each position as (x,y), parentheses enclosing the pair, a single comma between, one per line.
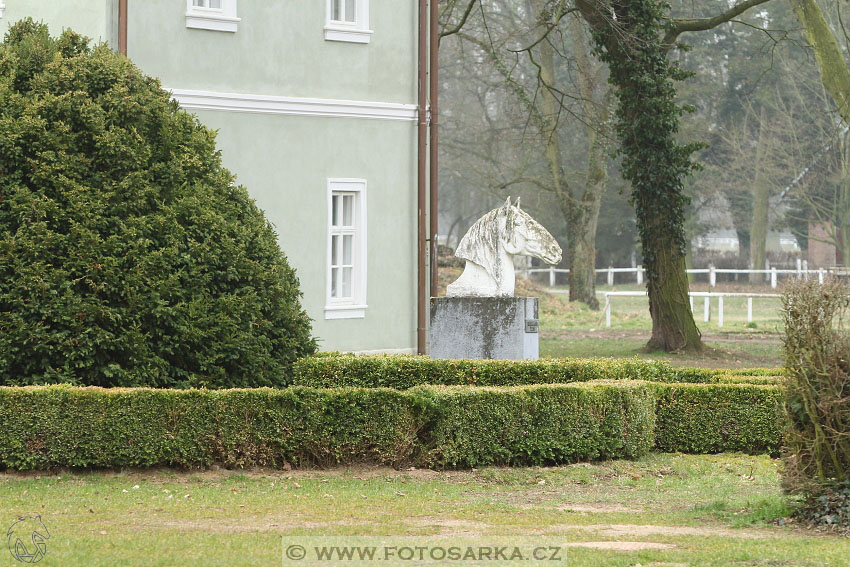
(489,247)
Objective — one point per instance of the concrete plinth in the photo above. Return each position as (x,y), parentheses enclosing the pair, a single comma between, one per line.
(504,328)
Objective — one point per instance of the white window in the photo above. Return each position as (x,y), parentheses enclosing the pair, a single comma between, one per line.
(348,20)
(216,15)
(346,293)
(2,7)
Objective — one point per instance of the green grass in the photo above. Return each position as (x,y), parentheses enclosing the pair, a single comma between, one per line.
(573,329)
(713,511)
(733,354)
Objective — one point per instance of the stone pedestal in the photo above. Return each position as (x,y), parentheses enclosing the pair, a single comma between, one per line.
(504,328)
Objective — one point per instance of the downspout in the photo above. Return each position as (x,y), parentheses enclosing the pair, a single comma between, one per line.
(433,174)
(422,155)
(122,27)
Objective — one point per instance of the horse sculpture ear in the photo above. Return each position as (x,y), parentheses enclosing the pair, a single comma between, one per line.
(507,206)
(517,203)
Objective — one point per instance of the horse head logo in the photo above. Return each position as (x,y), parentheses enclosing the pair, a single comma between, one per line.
(27,539)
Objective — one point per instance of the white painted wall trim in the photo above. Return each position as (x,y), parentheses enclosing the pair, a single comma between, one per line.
(351,35)
(411,350)
(353,30)
(223,19)
(266,104)
(2,7)
(345,311)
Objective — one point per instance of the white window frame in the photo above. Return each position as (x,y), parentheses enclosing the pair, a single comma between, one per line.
(2,7)
(354,32)
(214,19)
(353,307)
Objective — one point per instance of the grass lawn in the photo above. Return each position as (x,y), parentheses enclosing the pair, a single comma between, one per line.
(727,352)
(666,509)
(572,329)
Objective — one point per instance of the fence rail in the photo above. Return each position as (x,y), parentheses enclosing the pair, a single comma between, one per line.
(706,295)
(771,274)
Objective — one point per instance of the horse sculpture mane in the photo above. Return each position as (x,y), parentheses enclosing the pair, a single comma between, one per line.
(489,246)
(481,244)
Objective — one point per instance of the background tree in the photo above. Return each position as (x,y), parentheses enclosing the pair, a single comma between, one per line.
(633,37)
(552,108)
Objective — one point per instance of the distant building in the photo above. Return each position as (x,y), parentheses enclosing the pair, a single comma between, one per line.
(822,250)
(725,241)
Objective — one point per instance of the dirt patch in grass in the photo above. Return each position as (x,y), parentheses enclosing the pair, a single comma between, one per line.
(640,530)
(598,508)
(428,521)
(621,545)
(247,524)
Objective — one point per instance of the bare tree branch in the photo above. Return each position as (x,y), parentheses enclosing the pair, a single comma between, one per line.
(470,5)
(682,25)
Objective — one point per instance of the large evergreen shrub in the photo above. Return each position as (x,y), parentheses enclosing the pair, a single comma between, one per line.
(127,255)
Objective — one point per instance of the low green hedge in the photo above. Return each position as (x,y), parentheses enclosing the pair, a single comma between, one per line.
(440,426)
(712,418)
(538,424)
(333,370)
(50,426)
(713,375)
(56,426)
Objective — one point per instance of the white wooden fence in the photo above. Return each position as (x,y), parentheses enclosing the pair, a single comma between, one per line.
(771,274)
(706,295)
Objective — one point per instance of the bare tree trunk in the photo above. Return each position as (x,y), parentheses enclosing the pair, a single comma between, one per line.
(582,244)
(550,108)
(761,197)
(842,216)
(584,216)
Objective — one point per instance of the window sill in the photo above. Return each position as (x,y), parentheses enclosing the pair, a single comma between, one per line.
(345,311)
(351,35)
(211,22)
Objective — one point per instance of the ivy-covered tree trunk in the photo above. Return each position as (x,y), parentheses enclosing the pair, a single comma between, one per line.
(628,37)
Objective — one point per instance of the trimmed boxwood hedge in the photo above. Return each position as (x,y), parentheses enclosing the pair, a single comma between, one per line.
(506,420)
(538,424)
(332,370)
(57,426)
(711,418)
(50,426)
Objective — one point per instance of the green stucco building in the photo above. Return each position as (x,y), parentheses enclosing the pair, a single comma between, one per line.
(315,104)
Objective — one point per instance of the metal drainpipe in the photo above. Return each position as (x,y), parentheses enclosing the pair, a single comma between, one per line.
(433,174)
(122,27)
(422,228)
